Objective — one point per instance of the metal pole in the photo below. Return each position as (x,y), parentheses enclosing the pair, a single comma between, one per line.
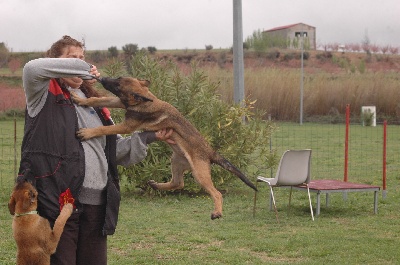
(270,145)
(384,191)
(302,78)
(238,65)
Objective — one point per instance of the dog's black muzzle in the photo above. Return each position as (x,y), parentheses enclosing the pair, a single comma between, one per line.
(111,84)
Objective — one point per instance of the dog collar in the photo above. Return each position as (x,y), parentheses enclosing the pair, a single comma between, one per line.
(22,214)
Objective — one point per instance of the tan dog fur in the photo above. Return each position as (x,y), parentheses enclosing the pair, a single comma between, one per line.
(36,241)
(148,113)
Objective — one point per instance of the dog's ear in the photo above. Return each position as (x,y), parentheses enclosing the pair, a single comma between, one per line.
(11,205)
(29,198)
(144,82)
(33,196)
(140,98)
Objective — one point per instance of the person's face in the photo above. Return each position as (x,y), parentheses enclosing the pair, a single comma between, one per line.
(73,52)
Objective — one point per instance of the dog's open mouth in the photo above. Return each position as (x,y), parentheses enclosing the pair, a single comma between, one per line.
(111,84)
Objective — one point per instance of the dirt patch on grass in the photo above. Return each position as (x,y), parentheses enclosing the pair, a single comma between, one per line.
(11,97)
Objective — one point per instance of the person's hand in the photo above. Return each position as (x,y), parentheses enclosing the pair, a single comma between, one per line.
(94,72)
(164,135)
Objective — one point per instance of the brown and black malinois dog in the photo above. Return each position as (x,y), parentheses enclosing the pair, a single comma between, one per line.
(36,241)
(146,112)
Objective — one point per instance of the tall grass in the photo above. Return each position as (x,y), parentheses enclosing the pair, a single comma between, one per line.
(329,84)
(278,91)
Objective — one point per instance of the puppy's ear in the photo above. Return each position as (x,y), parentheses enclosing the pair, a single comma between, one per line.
(11,205)
(33,196)
(29,198)
(144,82)
(140,98)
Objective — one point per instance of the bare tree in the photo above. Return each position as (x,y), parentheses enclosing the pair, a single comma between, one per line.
(394,50)
(14,64)
(385,49)
(374,48)
(366,43)
(4,54)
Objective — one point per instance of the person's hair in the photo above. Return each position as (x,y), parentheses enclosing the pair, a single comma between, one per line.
(88,90)
(57,49)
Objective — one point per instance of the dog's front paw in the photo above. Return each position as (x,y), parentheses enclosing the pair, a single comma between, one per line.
(67,209)
(78,100)
(84,134)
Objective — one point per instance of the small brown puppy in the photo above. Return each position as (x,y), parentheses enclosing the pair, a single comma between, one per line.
(144,111)
(32,233)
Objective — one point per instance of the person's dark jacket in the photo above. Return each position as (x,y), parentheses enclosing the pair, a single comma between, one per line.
(56,160)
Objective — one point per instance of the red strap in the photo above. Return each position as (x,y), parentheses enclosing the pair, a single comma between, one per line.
(55,89)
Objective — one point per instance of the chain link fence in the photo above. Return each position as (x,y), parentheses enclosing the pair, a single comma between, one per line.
(11,133)
(327,140)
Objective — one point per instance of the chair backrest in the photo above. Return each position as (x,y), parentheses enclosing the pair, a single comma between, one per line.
(294,167)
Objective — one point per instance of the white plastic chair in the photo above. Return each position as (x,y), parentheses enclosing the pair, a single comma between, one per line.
(293,170)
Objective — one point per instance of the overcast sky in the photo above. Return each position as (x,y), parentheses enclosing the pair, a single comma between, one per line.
(33,25)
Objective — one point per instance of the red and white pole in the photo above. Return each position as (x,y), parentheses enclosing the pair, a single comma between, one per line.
(346,144)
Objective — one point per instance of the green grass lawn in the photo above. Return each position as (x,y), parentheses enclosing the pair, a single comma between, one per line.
(177,229)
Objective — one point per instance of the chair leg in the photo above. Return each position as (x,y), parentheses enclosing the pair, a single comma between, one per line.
(290,196)
(309,199)
(273,200)
(255,201)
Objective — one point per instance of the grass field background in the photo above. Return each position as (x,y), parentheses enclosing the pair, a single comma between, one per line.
(176,229)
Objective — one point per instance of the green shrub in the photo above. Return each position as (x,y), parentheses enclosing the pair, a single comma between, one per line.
(367,117)
(361,67)
(96,56)
(221,124)
(296,56)
(12,113)
(352,68)
(4,54)
(151,49)
(290,56)
(273,54)
(222,59)
(324,56)
(130,49)
(113,51)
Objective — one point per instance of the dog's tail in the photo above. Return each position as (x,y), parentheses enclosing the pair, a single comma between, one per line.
(224,163)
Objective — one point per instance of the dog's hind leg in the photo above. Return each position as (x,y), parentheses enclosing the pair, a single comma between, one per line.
(202,172)
(179,165)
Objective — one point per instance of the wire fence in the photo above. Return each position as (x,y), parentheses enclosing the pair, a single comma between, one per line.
(366,162)
(327,140)
(10,145)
